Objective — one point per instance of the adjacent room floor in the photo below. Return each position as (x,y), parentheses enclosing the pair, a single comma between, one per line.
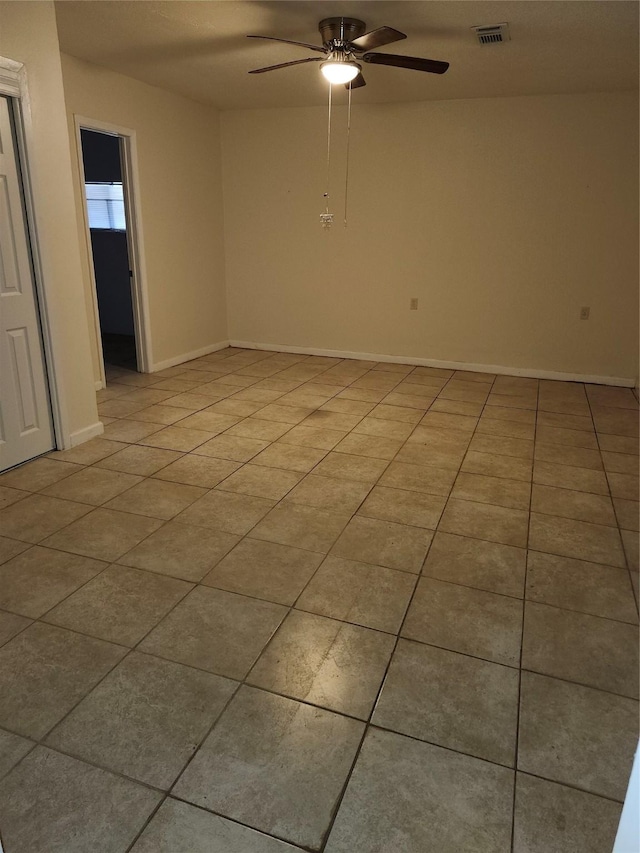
(301,603)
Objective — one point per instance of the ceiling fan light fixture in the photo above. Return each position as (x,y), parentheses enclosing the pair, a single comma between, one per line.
(338,70)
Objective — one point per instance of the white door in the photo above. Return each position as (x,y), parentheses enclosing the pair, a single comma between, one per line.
(25,414)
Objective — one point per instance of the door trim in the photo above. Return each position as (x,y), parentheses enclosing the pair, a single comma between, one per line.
(139,292)
(13,85)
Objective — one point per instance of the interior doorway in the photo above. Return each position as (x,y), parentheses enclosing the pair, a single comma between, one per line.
(104,195)
(108,171)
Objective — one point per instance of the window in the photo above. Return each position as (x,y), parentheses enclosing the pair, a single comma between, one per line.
(105,206)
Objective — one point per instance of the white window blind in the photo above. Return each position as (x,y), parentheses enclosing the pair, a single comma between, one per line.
(105,206)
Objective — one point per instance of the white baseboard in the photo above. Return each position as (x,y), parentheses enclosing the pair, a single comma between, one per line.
(188,356)
(448,365)
(85,434)
(99,385)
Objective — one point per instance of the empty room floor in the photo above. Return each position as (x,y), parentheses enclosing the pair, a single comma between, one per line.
(298,603)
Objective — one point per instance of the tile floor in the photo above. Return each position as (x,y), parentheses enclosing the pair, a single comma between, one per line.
(299,603)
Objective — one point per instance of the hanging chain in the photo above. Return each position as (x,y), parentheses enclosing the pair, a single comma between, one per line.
(326,218)
(346,175)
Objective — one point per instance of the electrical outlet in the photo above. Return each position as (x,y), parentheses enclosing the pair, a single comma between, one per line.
(584,312)
(413,304)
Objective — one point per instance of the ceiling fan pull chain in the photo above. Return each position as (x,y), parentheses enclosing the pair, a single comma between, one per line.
(346,174)
(326,218)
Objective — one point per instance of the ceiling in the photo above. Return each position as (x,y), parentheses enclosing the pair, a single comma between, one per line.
(199,49)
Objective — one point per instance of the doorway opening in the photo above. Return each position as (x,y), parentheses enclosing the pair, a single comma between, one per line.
(109,176)
(104,194)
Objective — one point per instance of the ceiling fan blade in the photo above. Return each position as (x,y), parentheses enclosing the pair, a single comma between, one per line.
(378,38)
(285,65)
(356,83)
(413,62)
(288,41)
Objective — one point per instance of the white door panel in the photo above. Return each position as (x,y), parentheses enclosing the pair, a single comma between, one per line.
(25,413)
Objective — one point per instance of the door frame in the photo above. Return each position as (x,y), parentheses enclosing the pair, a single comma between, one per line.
(13,85)
(138,280)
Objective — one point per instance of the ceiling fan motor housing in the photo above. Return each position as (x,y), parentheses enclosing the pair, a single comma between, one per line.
(340,30)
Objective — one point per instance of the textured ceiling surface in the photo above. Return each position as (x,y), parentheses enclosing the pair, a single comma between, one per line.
(199,49)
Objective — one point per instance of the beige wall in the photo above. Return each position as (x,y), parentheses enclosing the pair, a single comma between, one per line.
(28,34)
(180,201)
(502,216)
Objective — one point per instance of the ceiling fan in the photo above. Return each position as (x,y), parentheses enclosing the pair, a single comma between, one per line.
(345,44)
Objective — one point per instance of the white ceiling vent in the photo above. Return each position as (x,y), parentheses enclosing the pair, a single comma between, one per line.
(493,34)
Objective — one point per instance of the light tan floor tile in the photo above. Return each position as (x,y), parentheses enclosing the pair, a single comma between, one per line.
(129,430)
(290,457)
(301,526)
(577,585)
(253,754)
(325,662)
(92,486)
(485,521)
(396,546)
(456,407)
(492,490)
(502,446)
(329,493)
(36,580)
(215,630)
(570,477)
(146,396)
(344,466)
(332,420)
(11,496)
(10,547)
(389,794)
(564,421)
(135,459)
(624,486)
(566,437)
(580,539)
(240,408)
(195,470)
(257,429)
(103,534)
(466,620)
(404,507)
(463,396)
(191,402)
(473,562)
(231,447)
(620,463)
(416,453)
(316,437)
(265,570)
(37,474)
(568,503)
(492,465)
(283,414)
(579,457)
(506,401)
(179,826)
(563,736)
(348,407)
(35,517)
(262,482)
(44,672)
(452,700)
(211,422)
(157,499)
(10,625)
(511,429)
(402,414)
(177,438)
(120,605)
(119,408)
(446,420)
(437,439)
(630,544)
(162,415)
(618,443)
(88,453)
(371,446)
(372,596)
(226,511)
(181,551)
(380,428)
(549,816)
(145,719)
(627,513)
(508,413)
(12,749)
(418,478)
(615,421)
(577,647)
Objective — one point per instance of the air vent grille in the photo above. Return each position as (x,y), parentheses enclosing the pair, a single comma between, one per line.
(493,34)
